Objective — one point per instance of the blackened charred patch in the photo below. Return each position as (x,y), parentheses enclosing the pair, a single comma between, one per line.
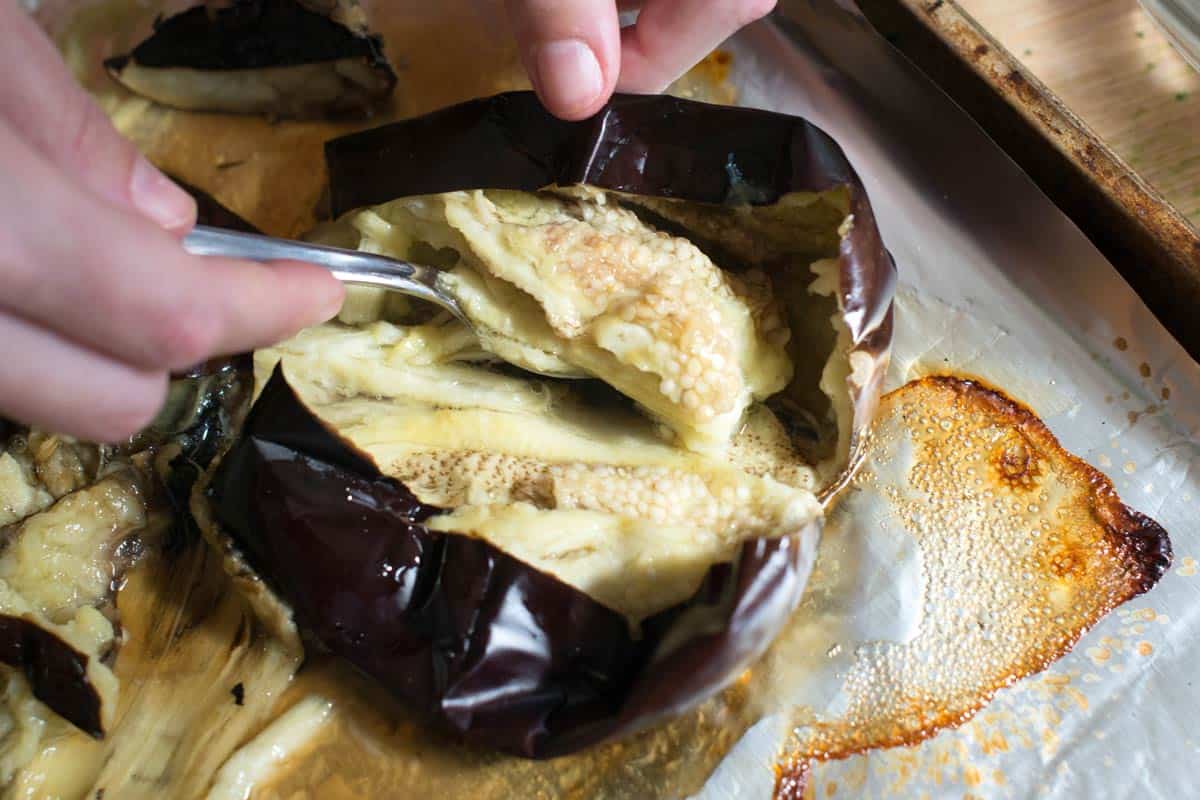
(249,34)
(1145,542)
(276,57)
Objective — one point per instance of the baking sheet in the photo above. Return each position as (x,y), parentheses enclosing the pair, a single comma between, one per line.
(995,282)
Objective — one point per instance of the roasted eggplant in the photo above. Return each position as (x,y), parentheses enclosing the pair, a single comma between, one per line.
(475,586)
(58,576)
(284,58)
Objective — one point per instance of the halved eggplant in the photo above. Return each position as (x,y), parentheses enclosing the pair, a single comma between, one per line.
(286,58)
(495,635)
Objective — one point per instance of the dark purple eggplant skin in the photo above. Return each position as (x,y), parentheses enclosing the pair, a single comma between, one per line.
(249,34)
(650,145)
(505,655)
(56,671)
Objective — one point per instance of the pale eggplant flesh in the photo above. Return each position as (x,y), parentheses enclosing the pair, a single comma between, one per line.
(282,58)
(78,531)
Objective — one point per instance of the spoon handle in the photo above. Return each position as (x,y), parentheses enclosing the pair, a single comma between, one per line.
(348,266)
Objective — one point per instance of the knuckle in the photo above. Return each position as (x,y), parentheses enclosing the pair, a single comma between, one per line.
(184,336)
(84,132)
(139,405)
(752,10)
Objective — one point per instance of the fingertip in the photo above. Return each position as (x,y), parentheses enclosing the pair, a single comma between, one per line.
(335,298)
(186,220)
(568,78)
(571,50)
(121,417)
(160,199)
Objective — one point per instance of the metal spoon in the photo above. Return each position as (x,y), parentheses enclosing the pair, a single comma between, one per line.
(348,266)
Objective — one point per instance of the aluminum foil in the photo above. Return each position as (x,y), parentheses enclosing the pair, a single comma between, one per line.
(995,282)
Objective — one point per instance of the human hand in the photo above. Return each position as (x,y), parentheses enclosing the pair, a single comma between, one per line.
(98,300)
(577,55)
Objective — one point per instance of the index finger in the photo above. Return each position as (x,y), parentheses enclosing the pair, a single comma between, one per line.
(120,285)
(41,100)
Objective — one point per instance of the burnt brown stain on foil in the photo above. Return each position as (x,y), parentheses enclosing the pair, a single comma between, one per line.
(506,655)
(56,671)
(792,779)
(1135,552)
(1143,543)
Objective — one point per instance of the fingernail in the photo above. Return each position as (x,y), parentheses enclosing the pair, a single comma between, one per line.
(568,75)
(157,197)
(333,306)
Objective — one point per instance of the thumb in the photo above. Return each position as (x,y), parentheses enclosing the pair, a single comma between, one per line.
(572,51)
(41,101)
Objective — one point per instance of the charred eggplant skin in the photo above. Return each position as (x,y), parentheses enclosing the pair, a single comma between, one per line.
(56,671)
(445,620)
(285,58)
(249,34)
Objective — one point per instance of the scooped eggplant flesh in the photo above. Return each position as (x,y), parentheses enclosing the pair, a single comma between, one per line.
(577,285)
(628,483)
(285,58)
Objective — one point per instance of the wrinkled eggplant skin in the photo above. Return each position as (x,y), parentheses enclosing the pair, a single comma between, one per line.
(641,144)
(249,34)
(56,671)
(221,388)
(443,620)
